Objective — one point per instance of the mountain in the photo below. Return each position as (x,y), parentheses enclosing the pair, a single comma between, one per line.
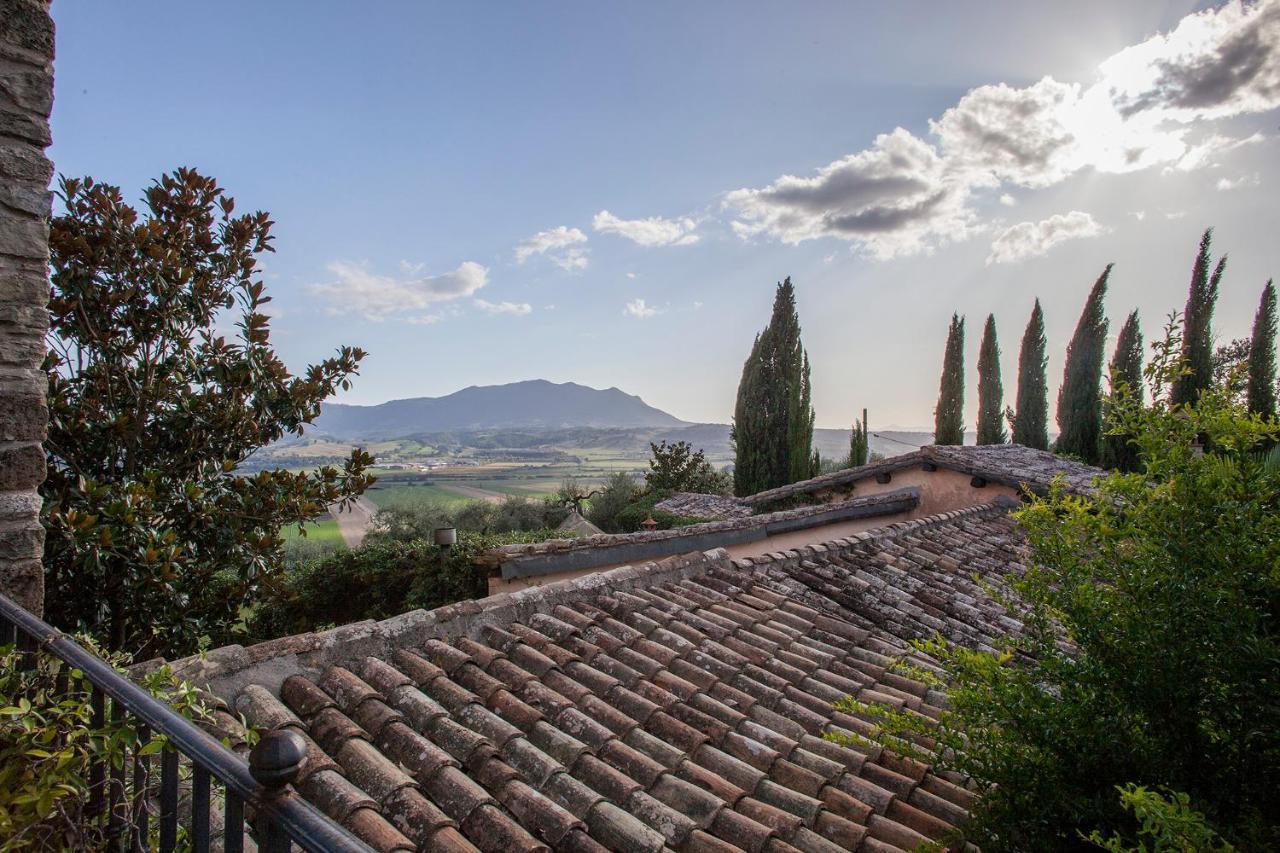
(534,404)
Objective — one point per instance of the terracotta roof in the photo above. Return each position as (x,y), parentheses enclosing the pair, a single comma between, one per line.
(1010,464)
(679,704)
(696,505)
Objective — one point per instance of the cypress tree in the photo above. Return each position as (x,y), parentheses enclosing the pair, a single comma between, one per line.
(1031,422)
(1079,398)
(772,429)
(1261,391)
(1125,369)
(948,417)
(1197,328)
(859,445)
(990,389)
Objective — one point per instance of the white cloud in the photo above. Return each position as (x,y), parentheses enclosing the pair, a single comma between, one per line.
(638,309)
(1029,239)
(631,275)
(893,198)
(1139,215)
(1008,200)
(561,245)
(379,297)
(1148,106)
(654,231)
(517,308)
(1226,184)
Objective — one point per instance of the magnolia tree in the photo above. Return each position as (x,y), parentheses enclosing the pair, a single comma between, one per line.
(162,380)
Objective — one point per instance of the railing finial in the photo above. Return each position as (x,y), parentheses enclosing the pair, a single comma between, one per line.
(277,757)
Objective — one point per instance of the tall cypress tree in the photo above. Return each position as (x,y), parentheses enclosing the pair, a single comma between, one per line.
(1125,369)
(1079,398)
(948,418)
(859,443)
(1031,422)
(772,429)
(990,388)
(1261,391)
(1197,328)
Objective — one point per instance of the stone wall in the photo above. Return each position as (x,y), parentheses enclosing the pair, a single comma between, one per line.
(26,97)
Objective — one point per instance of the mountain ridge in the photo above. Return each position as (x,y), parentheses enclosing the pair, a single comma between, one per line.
(531,403)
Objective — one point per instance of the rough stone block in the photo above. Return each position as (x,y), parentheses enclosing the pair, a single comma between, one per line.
(23,581)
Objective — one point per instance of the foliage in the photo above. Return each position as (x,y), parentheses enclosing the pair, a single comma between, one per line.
(1197,338)
(48,743)
(1125,371)
(1261,394)
(677,467)
(151,410)
(859,443)
(1030,423)
(419,521)
(948,417)
(1230,367)
(1168,824)
(382,579)
(990,389)
(1079,398)
(772,429)
(629,519)
(618,492)
(1150,649)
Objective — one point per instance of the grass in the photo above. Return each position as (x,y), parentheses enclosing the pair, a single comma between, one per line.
(323,538)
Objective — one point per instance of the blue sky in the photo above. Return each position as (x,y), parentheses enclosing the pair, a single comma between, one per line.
(607,193)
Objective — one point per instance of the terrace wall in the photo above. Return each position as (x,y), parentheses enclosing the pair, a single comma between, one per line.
(26,98)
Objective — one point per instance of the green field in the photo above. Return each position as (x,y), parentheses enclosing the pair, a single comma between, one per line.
(324,530)
(402,494)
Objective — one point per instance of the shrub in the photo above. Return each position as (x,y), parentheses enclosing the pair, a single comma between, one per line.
(384,578)
(514,514)
(1151,649)
(677,467)
(48,744)
(618,491)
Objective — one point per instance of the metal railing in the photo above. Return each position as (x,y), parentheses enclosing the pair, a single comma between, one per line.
(279,817)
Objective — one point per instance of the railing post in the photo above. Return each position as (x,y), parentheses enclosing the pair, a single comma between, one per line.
(274,762)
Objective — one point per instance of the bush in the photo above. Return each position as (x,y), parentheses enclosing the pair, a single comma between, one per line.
(1150,657)
(382,579)
(676,467)
(628,520)
(618,491)
(48,743)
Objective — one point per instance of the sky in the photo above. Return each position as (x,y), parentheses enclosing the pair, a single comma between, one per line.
(608,193)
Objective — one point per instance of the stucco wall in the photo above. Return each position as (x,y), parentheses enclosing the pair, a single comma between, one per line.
(26,97)
(942,490)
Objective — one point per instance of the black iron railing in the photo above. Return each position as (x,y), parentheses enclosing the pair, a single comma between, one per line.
(192,765)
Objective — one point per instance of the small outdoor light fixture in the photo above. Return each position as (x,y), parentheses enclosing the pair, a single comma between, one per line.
(649,523)
(446,537)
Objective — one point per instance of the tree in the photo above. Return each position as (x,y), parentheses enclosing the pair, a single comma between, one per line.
(772,429)
(1031,420)
(948,417)
(1149,651)
(1261,395)
(990,389)
(1125,373)
(859,444)
(154,539)
(1197,337)
(619,491)
(676,467)
(1079,398)
(1231,367)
